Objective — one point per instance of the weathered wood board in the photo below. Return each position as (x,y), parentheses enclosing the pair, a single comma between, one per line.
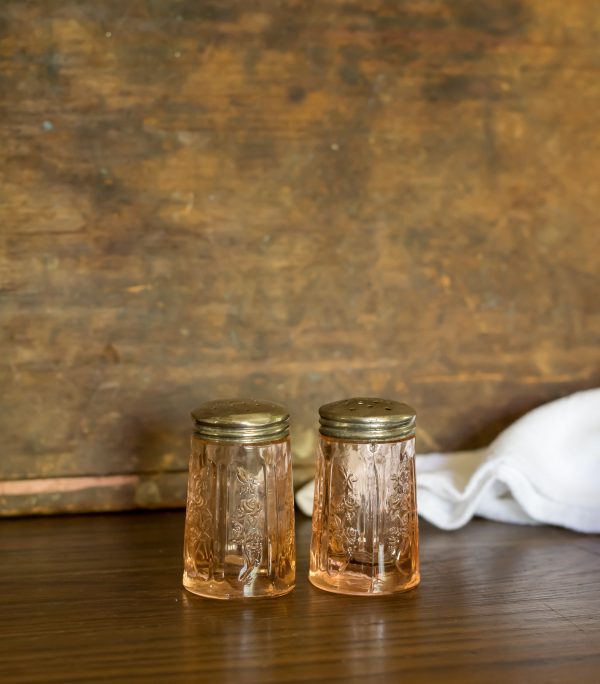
(294,200)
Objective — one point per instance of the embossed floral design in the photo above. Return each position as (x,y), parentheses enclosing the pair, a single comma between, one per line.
(199,537)
(343,533)
(247,524)
(399,508)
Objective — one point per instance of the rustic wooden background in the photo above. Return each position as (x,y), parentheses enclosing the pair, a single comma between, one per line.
(289,199)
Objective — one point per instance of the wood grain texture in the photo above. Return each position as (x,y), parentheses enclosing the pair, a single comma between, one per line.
(99,598)
(296,200)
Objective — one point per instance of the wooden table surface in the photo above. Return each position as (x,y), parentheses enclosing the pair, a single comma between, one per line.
(99,598)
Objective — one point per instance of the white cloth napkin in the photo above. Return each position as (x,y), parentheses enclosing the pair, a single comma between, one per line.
(544,468)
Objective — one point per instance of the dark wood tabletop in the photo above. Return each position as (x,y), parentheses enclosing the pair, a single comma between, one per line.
(99,598)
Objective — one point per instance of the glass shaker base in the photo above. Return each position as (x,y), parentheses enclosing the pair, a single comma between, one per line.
(223,590)
(362,585)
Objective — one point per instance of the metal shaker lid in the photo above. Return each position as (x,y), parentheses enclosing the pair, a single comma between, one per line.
(248,421)
(368,419)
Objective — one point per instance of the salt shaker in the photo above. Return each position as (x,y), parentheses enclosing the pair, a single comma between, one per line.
(365,528)
(239,525)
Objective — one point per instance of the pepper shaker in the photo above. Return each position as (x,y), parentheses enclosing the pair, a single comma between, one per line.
(365,538)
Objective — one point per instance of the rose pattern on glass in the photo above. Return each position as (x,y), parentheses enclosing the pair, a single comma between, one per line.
(343,532)
(399,507)
(247,524)
(365,533)
(239,534)
(199,514)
